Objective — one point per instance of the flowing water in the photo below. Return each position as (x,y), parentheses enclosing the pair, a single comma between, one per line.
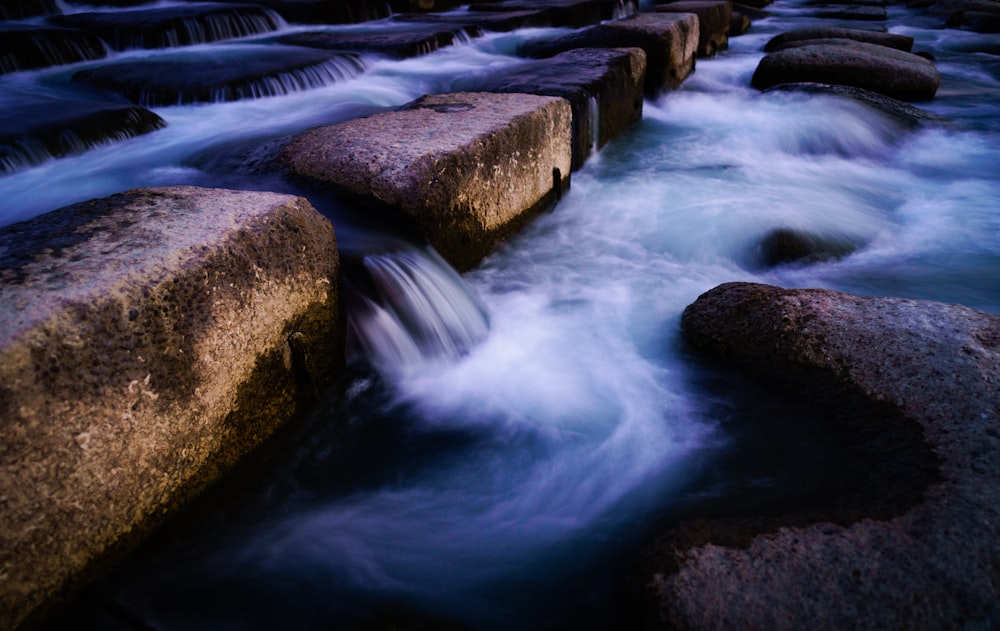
(505,439)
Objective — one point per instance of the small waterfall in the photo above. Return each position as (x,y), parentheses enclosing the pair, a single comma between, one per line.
(344,66)
(594,120)
(42,47)
(625,8)
(407,307)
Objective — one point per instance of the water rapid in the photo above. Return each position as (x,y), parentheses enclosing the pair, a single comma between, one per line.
(506,437)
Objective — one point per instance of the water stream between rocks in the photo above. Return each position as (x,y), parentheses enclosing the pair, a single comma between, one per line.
(499,459)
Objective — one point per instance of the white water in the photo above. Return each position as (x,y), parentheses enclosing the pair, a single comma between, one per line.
(527,458)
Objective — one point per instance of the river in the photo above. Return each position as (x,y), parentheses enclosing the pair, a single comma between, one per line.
(498,469)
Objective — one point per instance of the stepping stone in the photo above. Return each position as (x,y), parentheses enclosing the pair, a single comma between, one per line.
(795,37)
(29,46)
(395,42)
(35,128)
(151,340)
(23,9)
(166,27)
(739,24)
(569,13)
(851,12)
(500,22)
(604,87)
(670,41)
(224,73)
(714,17)
(881,69)
(468,168)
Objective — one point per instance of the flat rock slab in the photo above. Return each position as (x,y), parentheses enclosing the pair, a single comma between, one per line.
(37,127)
(147,341)
(29,46)
(469,168)
(603,85)
(498,21)
(670,41)
(569,13)
(323,11)
(22,9)
(395,42)
(714,18)
(231,73)
(881,69)
(798,36)
(934,367)
(167,27)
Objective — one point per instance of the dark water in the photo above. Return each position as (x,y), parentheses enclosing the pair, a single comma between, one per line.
(514,434)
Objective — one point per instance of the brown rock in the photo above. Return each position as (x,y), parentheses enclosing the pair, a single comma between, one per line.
(469,167)
(148,341)
(714,17)
(887,362)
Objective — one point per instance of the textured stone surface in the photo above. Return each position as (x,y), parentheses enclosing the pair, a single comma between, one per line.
(603,85)
(881,69)
(147,341)
(468,167)
(714,17)
(670,41)
(892,40)
(932,366)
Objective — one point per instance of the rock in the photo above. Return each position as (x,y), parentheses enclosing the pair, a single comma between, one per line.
(150,340)
(395,42)
(501,22)
(231,73)
(323,11)
(884,70)
(978,21)
(739,24)
(784,245)
(604,87)
(165,27)
(714,17)
(568,13)
(895,369)
(851,12)
(904,114)
(22,9)
(670,41)
(469,168)
(811,34)
(59,127)
(23,47)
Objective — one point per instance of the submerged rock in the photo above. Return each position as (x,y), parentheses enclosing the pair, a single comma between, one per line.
(881,69)
(903,113)
(797,36)
(863,12)
(784,245)
(714,17)
(670,41)
(893,371)
(24,47)
(603,85)
(150,340)
(469,168)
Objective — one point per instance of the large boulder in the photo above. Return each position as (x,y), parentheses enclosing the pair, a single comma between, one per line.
(604,86)
(469,168)
(714,19)
(670,41)
(903,376)
(881,69)
(149,340)
(808,34)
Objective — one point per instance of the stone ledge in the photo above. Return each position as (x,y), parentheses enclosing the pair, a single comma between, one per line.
(148,340)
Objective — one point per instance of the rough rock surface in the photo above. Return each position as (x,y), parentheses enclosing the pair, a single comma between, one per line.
(934,565)
(714,17)
(147,341)
(881,69)
(603,85)
(892,40)
(470,168)
(670,41)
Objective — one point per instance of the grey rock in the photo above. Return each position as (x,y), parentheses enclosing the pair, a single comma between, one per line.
(144,348)
(887,364)
(469,168)
(892,40)
(714,17)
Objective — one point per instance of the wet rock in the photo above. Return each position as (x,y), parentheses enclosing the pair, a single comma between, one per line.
(881,69)
(670,41)
(978,21)
(500,22)
(469,168)
(23,47)
(233,73)
(795,37)
(604,87)
(36,128)
(739,24)
(166,27)
(145,349)
(784,245)
(323,11)
(22,9)
(569,13)
(399,43)
(892,367)
(904,114)
(714,17)
(851,12)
